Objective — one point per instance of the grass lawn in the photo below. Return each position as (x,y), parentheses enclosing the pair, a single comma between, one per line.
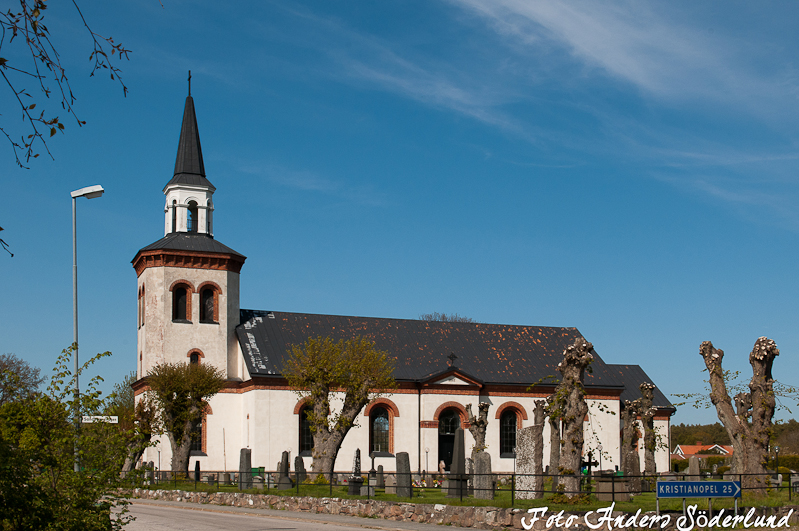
(502,498)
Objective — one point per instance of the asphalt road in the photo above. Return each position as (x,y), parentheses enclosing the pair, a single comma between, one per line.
(177,516)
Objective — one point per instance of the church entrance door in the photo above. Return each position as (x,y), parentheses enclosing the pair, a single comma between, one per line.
(448,422)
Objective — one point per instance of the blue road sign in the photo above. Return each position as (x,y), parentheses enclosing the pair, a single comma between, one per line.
(699,489)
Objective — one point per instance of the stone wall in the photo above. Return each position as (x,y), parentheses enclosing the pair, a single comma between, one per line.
(476,517)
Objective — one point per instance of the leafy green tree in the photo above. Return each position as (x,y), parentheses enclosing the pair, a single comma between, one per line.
(137,421)
(39,488)
(18,379)
(321,371)
(180,393)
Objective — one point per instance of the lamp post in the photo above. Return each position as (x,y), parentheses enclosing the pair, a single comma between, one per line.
(599,447)
(90,192)
(777,460)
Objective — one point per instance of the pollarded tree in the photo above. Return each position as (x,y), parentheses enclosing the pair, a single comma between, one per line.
(749,423)
(477,427)
(322,368)
(576,358)
(137,421)
(554,410)
(630,462)
(648,420)
(181,392)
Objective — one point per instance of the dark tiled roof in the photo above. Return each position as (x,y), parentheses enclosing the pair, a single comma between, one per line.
(493,354)
(190,241)
(189,167)
(632,376)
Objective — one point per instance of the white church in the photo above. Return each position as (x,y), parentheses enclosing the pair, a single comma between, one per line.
(188,311)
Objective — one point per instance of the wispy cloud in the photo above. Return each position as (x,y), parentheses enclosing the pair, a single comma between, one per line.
(309,181)
(635,43)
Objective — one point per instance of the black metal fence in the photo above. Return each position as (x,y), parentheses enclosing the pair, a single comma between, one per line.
(611,487)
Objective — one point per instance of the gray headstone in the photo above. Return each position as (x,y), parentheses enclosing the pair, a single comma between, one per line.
(470,475)
(693,467)
(381,480)
(299,470)
(529,482)
(245,469)
(354,485)
(403,475)
(391,485)
(356,463)
(483,478)
(283,470)
(367,491)
(456,484)
(196,470)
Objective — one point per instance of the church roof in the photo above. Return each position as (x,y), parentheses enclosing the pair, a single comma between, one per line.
(190,241)
(189,167)
(493,354)
(633,376)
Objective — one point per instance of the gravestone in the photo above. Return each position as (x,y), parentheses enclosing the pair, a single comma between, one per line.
(391,485)
(470,476)
(299,469)
(403,475)
(693,468)
(284,482)
(483,478)
(381,480)
(529,481)
(456,486)
(196,471)
(355,480)
(245,469)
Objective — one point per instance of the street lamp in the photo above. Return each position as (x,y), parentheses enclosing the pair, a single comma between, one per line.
(90,192)
(599,447)
(777,461)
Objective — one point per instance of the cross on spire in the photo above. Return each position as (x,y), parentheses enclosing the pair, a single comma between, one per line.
(189,82)
(452,357)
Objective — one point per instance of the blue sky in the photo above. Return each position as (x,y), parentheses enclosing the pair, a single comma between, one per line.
(628,169)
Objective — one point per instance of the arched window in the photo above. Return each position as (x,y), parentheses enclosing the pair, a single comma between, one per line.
(192,218)
(197,438)
(174,215)
(194,358)
(508,424)
(207,306)
(448,422)
(378,430)
(306,437)
(180,302)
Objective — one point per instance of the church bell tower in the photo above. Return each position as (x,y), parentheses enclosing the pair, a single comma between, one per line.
(188,282)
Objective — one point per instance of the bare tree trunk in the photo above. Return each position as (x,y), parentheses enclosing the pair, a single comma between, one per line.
(575,359)
(630,462)
(648,420)
(539,413)
(749,441)
(181,449)
(477,427)
(554,412)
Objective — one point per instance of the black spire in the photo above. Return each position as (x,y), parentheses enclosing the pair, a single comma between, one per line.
(189,167)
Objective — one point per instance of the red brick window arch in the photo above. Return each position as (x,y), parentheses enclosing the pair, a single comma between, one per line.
(510,415)
(195,355)
(181,300)
(209,302)
(381,413)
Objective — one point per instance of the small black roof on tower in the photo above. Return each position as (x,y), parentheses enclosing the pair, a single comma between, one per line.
(189,167)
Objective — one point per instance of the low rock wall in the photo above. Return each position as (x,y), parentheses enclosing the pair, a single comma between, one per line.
(474,517)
